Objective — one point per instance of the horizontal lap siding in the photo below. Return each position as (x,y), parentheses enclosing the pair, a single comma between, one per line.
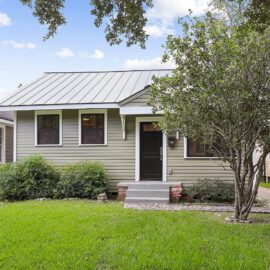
(139,101)
(188,171)
(118,157)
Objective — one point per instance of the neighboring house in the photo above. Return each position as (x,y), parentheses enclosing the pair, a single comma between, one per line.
(104,116)
(267,169)
(6,137)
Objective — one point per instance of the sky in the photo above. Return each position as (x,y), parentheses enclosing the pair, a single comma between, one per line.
(79,45)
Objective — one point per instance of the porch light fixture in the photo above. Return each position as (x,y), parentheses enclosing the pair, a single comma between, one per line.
(172,141)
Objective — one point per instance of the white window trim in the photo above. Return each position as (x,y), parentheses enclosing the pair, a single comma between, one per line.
(137,152)
(59,112)
(186,153)
(91,111)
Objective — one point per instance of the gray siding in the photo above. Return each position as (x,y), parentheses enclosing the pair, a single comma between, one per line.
(118,157)
(140,101)
(191,170)
(9,144)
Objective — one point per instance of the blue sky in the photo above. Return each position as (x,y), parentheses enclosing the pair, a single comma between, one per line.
(78,46)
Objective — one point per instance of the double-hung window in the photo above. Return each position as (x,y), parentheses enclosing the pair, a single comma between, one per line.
(93,127)
(48,128)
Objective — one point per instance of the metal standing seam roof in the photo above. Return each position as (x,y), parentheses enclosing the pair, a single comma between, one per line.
(55,88)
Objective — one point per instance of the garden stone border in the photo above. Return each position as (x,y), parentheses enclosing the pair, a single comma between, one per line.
(190,207)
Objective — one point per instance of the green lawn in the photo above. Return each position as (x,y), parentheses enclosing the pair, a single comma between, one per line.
(86,235)
(265,185)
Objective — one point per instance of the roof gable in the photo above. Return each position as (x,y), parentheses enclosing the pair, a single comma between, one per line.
(140,98)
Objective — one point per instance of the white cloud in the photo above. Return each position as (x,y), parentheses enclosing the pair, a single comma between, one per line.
(148,64)
(157,31)
(98,54)
(168,10)
(18,45)
(65,53)
(4,20)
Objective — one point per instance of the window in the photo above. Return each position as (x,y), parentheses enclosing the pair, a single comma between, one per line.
(48,128)
(197,149)
(93,127)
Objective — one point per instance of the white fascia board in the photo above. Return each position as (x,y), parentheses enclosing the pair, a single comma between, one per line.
(7,122)
(136,110)
(60,107)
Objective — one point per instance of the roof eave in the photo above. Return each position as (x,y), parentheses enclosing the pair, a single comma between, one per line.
(59,107)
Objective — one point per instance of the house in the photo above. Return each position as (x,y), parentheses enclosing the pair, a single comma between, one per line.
(267,169)
(105,116)
(6,137)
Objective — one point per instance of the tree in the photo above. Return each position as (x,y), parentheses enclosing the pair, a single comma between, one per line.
(125,19)
(254,13)
(220,93)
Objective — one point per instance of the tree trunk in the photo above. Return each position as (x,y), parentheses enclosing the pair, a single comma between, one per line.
(245,194)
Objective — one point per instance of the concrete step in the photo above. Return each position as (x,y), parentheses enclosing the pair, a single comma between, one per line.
(148,186)
(148,193)
(146,200)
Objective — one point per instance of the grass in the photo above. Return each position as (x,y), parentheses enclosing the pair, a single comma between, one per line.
(265,185)
(87,235)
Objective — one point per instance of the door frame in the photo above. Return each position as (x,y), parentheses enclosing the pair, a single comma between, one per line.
(137,147)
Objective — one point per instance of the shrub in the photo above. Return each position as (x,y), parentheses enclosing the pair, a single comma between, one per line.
(30,178)
(207,190)
(10,187)
(83,180)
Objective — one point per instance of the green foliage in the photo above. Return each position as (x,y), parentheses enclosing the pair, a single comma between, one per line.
(10,186)
(207,190)
(124,19)
(48,13)
(220,91)
(30,178)
(82,180)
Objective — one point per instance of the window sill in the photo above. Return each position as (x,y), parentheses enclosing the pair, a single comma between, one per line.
(202,158)
(48,145)
(93,145)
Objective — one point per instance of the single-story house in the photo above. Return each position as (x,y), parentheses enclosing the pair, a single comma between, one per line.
(105,116)
(6,137)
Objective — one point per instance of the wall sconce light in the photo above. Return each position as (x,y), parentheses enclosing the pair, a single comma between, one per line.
(172,141)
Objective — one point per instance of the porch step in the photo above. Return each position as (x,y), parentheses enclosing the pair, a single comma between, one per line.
(150,193)
(148,186)
(146,200)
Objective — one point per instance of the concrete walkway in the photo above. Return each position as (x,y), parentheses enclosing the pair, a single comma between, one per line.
(264,193)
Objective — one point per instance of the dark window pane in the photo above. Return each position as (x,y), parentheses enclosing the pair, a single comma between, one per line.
(92,128)
(197,149)
(48,129)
